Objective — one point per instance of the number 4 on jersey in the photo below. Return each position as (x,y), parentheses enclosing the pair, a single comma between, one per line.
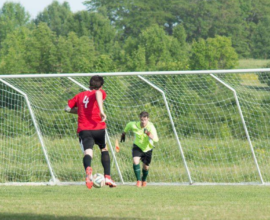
(85,101)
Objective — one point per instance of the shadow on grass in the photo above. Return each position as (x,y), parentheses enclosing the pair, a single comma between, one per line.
(28,216)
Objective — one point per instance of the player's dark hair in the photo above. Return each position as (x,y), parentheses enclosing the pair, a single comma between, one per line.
(144,114)
(96,82)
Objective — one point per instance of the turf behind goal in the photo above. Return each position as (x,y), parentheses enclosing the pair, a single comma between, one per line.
(213,126)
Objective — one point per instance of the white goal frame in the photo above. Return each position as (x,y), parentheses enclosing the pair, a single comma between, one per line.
(141,76)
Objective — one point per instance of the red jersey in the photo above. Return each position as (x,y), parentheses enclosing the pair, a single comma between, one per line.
(88,110)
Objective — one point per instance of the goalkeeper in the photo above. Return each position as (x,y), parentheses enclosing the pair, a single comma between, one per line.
(145,135)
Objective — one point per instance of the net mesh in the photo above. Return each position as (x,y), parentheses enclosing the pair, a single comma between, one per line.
(204,112)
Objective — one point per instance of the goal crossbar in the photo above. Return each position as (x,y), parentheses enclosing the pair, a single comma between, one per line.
(186,72)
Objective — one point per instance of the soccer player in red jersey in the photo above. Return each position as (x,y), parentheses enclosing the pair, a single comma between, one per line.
(91,126)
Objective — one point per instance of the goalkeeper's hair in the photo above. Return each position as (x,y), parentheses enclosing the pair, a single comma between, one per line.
(144,115)
(96,82)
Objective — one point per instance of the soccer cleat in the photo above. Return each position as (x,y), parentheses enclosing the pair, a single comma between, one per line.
(88,179)
(139,183)
(109,182)
(144,183)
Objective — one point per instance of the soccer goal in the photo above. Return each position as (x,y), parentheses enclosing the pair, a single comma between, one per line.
(213,126)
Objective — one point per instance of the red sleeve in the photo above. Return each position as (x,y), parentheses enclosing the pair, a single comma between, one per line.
(72,102)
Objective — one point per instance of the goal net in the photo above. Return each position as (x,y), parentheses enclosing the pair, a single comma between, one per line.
(213,127)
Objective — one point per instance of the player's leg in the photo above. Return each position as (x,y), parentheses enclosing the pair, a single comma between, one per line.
(88,155)
(146,158)
(87,143)
(136,154)
(105,160)
(99,138)
(145,174)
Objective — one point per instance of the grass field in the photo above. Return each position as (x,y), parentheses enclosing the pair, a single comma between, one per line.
(130,202)
(252,63)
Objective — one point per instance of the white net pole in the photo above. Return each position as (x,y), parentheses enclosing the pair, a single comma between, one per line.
(173,127)
(244,124)
(53,179)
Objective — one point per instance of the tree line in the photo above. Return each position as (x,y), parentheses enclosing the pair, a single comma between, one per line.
(137,35)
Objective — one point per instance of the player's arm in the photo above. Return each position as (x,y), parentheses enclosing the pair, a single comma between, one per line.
(148,133)
(72,106)
(99,97)
(71,110)
(127,128)
(152,133)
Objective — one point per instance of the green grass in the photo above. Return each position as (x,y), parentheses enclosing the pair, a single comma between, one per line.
(129,202)
(252,63)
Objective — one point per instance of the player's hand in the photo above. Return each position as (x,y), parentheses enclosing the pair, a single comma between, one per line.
(103,117)
(146,132)
(123,137)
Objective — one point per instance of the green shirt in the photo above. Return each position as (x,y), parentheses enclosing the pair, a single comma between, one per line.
(141,139)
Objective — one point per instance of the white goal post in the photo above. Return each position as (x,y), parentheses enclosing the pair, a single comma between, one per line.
(213,126)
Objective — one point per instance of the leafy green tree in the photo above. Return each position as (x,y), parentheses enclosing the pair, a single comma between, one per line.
(153,49)
(97,27)
(63,53)
(132,17)
(41,50)
(180,34)
(156,44)
(12,16)
(104,63)
(261,39)
(82,55)
(59,18)
(204,19)
(213,53)
(256,10)
(229,20)
(136,61)
(179,48)
(197,17)
(12,53)
(150,48)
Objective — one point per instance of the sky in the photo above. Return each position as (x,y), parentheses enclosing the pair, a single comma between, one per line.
(36,6)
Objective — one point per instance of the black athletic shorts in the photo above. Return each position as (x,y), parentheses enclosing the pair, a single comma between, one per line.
(145,156)
(88,138)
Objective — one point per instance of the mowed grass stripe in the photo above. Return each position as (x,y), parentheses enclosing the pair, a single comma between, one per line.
(129,202)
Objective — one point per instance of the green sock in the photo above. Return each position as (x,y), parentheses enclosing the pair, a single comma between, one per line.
(137,171)
(145,174)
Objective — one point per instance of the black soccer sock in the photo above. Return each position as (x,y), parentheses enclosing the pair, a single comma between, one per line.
(137,171)
(87,161)
(145,174)
(106,162)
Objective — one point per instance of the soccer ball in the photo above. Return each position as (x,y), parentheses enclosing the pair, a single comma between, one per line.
(98,180)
